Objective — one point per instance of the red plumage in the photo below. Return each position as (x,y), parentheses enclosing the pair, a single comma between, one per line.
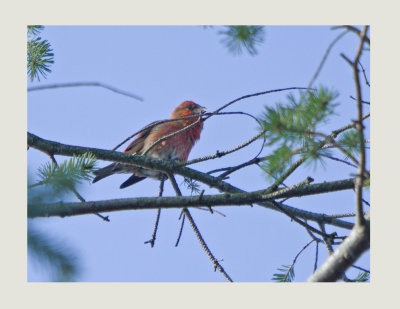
(176,147)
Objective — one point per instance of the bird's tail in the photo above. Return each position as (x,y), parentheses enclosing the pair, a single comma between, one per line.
(107,171)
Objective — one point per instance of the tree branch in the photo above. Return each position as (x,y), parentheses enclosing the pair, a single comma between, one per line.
(173,167)
(187,214)
(345,256)
(79,84)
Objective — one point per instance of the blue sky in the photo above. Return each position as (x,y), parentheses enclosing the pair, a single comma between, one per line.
(165,66)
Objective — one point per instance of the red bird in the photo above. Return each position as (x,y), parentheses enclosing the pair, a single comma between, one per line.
(176,147)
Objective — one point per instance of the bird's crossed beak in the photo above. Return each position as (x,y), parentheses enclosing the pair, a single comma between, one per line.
(200,110)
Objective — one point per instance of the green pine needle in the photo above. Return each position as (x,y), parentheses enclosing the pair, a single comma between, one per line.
(350,141)
(40,57)
(192,185)
(362,276)
(59,262)
(34,30)
(284,274)
(291,126)
(68,174)
(237,38)
(276,163)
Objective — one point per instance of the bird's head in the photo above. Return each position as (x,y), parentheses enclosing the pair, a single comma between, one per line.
(188,108)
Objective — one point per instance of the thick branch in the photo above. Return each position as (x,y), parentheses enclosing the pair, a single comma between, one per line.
(347,254)
(56,148)
(260,197)
(172,167)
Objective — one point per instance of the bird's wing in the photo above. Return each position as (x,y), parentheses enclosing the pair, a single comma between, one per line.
(137,144)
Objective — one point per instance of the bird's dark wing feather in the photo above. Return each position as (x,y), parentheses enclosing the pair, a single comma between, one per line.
(136,145)
(131,180)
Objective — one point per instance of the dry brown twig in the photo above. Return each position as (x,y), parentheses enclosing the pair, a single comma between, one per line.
(187,214)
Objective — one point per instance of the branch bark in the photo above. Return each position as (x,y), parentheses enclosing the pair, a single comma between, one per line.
(241,197)
(347,254)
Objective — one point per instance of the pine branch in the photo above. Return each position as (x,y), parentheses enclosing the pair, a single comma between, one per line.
(40,57)
(61,261)
(237,38)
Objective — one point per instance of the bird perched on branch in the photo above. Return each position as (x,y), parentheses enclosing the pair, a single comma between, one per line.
(177,147)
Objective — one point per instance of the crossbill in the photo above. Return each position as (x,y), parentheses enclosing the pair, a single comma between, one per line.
(175,148)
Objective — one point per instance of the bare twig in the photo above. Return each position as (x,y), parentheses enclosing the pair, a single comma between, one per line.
(79,84)
(216,263)
(365,75)
(257,94)
(352,29)
(360,268)
(316,256)
(335,133)
(219,154)
(182,216)
(326,56)
(153,237)
(335,144)
(186,212)
(302,223)
(297,255)
(364,102)
(339,160)
(156,123)
(238,167)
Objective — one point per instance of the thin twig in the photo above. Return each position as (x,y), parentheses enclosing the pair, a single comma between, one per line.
(326,56)
(180,229)
(219,154)
(216,263)
(364,102)
(156,123)
(258,94)
(153,237)
(316,256)
(213,211)
(365,76)
(360,268)
(238,167)
(339,160)
(79,84)
(335,144)
(297,255)
(353,29)
(287,173)
(234,168)
(302,223)
(186,212)
(335,133)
